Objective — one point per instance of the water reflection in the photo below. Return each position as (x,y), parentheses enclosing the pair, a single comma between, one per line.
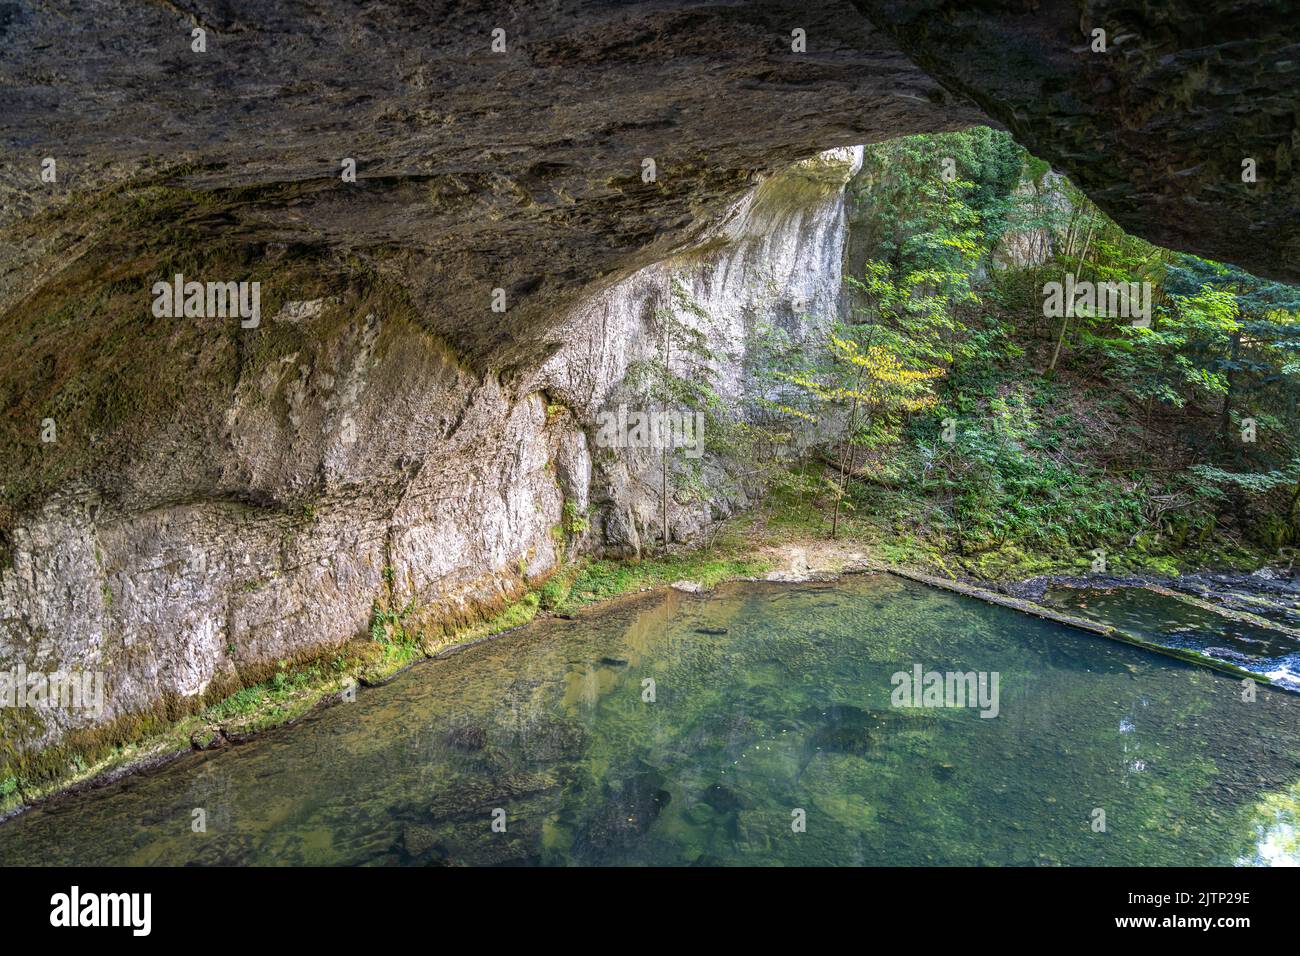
(1276,837)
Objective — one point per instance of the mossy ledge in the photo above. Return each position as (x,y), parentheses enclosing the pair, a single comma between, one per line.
(1083,624)
(281,693)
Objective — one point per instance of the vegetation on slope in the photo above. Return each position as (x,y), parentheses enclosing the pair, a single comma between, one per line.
(955,416)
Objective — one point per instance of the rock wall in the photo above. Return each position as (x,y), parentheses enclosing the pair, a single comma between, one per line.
(370,463)
(775,258)
(432,485)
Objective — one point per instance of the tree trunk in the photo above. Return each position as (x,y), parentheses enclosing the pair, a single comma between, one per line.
(663,494)
(663,474)
(1224,413)
(1069,309)
(850,429)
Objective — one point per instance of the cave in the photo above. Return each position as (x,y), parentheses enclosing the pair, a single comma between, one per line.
(452,227)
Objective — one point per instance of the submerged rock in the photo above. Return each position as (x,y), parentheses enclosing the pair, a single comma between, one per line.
(418,839)
(625,811)
(468,738)
(845,729)
(725,800)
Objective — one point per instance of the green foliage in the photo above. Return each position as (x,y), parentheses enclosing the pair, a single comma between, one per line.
(934,202)
(267,699)
(605,579)
(1256,483)
(555,591)
(389,626)
(1143,431)
(1002,490)
(575,519)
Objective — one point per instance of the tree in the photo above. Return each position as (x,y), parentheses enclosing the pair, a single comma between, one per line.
(680,375)
(867,374)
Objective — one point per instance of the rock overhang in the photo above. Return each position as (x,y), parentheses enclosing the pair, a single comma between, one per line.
(522,170)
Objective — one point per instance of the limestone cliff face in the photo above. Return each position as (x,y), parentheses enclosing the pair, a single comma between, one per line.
(381,469)
(368,462)
(775,258)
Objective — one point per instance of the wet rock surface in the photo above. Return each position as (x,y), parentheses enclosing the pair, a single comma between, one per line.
(1243,619)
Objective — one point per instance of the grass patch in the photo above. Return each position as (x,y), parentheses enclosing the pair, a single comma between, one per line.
(601,580)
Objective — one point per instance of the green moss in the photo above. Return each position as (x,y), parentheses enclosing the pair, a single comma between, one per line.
(515,614)
(575,522)
(600,580)
(556,591)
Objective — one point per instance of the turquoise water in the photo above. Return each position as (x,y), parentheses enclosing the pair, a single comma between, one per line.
(768,701)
